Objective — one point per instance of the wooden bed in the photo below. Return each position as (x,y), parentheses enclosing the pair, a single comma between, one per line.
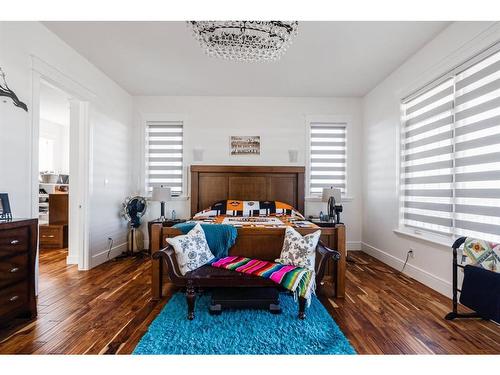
(212,183)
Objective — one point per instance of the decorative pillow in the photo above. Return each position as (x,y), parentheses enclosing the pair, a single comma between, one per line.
(191,249)
(299,250)
(232,207)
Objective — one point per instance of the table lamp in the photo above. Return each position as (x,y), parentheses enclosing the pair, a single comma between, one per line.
(333,197)
(161,194)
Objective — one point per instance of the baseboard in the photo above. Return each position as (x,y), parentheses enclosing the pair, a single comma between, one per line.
(432,281)
(353,245)
(102,257)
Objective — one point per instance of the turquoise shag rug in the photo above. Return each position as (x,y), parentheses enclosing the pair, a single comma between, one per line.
(243,331)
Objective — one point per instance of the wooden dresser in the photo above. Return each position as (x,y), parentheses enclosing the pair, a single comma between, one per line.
(18,240)
(55,234)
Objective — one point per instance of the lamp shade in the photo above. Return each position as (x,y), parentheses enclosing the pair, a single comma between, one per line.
(332,192)
(161,194)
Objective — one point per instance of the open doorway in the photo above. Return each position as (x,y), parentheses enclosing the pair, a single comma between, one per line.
(65,162)
(54,169)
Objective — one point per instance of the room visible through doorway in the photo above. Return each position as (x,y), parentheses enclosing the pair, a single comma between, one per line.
(54,169)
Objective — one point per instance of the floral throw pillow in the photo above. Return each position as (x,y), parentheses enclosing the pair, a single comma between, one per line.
(299,250)
(191,250)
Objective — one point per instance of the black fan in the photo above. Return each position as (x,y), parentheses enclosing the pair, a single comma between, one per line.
(133,208)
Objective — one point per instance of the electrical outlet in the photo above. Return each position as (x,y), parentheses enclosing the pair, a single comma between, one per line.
(411,252)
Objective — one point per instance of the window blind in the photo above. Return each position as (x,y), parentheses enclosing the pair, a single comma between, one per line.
(327,165)
(164,164)
(450,154)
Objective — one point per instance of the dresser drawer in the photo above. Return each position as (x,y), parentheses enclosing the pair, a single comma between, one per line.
(50,234)
(14,269)
(53,236)
(14,240)
(13,299)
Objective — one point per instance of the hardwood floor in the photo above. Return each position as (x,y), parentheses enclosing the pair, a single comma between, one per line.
(108,309)
(387,312)
(92,312)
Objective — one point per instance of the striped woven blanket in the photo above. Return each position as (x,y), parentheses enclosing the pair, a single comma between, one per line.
(300,281)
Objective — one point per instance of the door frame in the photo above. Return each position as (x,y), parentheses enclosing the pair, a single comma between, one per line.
(80,159)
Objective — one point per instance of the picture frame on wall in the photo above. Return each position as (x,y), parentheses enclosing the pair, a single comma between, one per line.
(5,212)
(245,145)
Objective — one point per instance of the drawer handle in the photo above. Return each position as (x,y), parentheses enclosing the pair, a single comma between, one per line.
(14,242)
(48,236)
(14,298)
(14,270)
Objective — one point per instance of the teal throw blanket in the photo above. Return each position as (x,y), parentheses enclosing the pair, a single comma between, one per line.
(220,237)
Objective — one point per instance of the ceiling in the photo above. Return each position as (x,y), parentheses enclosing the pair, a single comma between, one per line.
(54,105)
(325,59)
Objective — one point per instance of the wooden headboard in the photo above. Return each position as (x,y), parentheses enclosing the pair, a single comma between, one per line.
(212,183)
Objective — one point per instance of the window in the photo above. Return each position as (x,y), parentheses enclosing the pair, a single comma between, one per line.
(327,156)
(164,164)
(450,153)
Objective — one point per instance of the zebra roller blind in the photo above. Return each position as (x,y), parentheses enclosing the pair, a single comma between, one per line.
(327,165)
(164,164)
(450,154)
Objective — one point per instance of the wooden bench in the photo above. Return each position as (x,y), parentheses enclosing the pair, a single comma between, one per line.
(212,277)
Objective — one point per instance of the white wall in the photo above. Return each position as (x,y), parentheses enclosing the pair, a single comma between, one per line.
(381,121)
(281,124)
(110,120)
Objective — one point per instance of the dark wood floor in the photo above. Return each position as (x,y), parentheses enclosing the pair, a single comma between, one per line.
(108,309)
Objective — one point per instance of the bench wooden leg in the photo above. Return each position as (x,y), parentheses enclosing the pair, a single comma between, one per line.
(302,307)
(190,298)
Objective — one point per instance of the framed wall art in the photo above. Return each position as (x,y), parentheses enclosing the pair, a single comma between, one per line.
(245,145)
(5,212)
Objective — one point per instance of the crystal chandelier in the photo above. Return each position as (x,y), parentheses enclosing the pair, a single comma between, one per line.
(245,40)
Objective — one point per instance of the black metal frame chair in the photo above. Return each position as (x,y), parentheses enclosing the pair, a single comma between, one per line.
(455,314)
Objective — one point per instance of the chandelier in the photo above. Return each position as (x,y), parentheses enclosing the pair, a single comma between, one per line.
(245,40)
